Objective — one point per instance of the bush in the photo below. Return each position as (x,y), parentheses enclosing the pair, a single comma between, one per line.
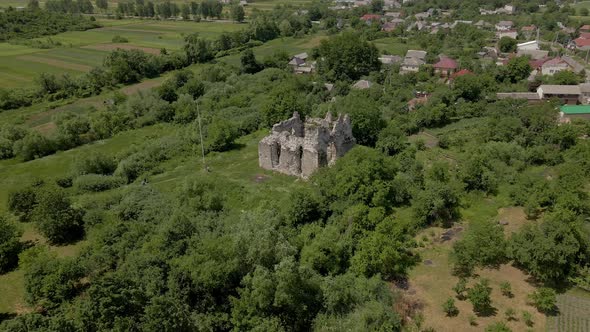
(506,289)
(527,318)
(10,245)
(544,299)
(479,296)
(33,146)
(56,219)
(21,202)
(95,163)
(119,39)
(98,182)
(449,307)
(460,288)
(498,327)
(510,314)
(220,135)
(49,280)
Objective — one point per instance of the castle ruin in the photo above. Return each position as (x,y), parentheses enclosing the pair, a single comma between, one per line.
(299,148)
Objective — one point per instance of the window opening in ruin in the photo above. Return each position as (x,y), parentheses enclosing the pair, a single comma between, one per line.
(277,155)
(299,158)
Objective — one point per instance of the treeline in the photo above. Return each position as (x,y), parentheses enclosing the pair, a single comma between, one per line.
(167,9)
(32,23)
(69,6)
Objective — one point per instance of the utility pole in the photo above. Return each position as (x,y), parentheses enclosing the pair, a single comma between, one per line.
(201,137)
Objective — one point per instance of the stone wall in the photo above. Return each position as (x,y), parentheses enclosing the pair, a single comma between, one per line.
(299,148)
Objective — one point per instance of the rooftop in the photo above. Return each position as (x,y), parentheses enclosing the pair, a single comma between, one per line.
(446,63)
(560,89)
(575,109)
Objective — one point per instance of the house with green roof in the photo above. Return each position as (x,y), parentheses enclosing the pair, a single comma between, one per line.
(570,112)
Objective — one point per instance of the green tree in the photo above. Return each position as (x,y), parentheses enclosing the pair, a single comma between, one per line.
(33,146)
(49,280)
(55,218)
(365,117)
(482,245)
(220,135)
(450,308)
(544,299)
(249,63)
(584,11)
(565,77)
(392,139)
(550,250)
(507,44)
(10,245)
(22,202)
(479,296)
(347,57)
(377,6)
(385,251)
(516,70)
(237,13)
(198,50)
(102,4)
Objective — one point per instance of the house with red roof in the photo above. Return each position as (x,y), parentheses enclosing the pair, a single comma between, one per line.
(585,35)
(461,72)
(582,44)
(370,18)
(585,28)
(553,66)
(445,66)
(528,31)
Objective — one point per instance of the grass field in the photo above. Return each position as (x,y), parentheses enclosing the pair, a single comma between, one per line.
(82,50)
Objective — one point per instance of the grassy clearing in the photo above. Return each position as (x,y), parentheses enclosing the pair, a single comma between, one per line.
(432,280)
(394,46)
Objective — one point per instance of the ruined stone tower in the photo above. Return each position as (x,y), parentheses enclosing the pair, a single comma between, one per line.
(299,148)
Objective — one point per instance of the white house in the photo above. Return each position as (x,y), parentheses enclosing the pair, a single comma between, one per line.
(554,66)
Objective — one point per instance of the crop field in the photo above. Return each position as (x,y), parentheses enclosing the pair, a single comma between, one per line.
(573,316)
(82,50)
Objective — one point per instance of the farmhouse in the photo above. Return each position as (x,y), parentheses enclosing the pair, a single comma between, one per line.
(530,45)
(504,25)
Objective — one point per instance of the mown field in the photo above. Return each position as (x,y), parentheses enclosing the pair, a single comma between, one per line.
(82,50)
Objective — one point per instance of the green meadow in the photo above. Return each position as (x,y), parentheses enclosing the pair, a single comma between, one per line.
(82,50)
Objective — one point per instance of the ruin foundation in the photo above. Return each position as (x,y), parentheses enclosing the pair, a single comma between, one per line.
(299,148)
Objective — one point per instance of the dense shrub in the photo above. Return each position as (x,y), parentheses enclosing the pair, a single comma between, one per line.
(55,218)
(95,163)
(10,245)
(98,182)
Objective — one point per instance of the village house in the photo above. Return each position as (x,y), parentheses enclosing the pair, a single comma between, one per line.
(413,60)
(445,66)
(534,54)
(481,24)
(567,94)
(390,59)
(582,44)
(528,31)
(508,33)
(504,25)
(391,4)
(553,66)
(585,28)
(392,15)
(392,25)
(371,18)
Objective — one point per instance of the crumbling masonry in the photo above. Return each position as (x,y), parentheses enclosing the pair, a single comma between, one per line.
(299,148)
